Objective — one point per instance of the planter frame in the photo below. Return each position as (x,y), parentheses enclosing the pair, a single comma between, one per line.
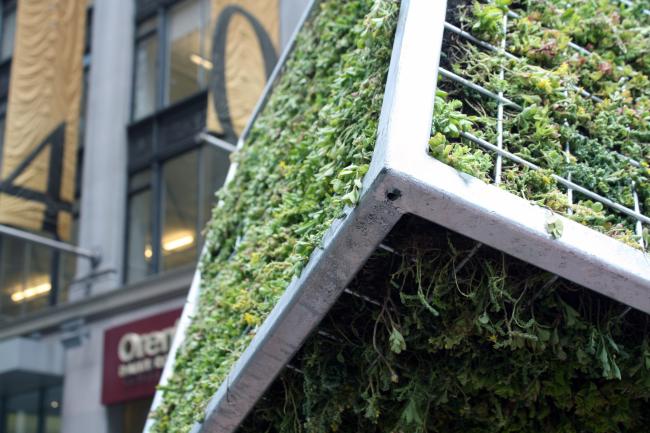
(404,179)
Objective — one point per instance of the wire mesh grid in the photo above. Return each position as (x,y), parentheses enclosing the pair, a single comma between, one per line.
(636,216)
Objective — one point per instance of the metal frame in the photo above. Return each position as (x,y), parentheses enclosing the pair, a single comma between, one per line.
(404,179)
(94,257)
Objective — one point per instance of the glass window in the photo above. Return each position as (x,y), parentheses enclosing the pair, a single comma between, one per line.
(184,51)
(25,277)
(140,250)
(38,280)
(52,409)
(146,59)
(83,105)
(187,187)
(8,31)
(68,263)
(2,137)
(22,413)
(134,415)
(178,244)
(184,67)
(12,275)
(36,411)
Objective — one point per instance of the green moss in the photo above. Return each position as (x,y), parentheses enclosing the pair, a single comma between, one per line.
(546,81)
(301,165)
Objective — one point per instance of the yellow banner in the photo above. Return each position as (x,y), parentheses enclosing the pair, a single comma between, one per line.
(40,144)
(243,51)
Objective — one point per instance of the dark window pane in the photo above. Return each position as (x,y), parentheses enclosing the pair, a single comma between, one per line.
(8,32)
(39,273)
(180,211)
(140,252)
(215,168)
(83,106)
(52,410)
(12,275)
(184,51)
(25,277)
(144,92)
(2,138)
(68,265)
(22,413)
(134,415)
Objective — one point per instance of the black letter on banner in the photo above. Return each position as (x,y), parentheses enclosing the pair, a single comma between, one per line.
(51,198)
(218,77)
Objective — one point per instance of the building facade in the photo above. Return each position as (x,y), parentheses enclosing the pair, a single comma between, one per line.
(82,341)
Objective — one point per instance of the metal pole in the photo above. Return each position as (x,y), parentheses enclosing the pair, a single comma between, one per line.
(637,208)
(57,245)
(499,160)
(214,141)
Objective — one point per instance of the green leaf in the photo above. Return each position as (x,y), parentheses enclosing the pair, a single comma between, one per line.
(396,340)
(554,226)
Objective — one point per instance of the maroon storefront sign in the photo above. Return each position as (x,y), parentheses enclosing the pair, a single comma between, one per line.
(134,356)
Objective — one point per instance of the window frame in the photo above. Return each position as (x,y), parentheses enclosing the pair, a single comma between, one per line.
(161,15)
(7,6)
(132,192)
(156,187)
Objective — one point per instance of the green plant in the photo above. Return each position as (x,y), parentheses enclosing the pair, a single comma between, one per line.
(558,128)
(301,165)
(495,346)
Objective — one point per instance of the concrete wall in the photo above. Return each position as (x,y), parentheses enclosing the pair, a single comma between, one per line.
(103,202)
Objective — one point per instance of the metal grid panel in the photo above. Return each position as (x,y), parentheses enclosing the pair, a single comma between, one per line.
(504,102)
(404,179)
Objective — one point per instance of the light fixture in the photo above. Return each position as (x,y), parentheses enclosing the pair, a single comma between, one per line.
(148,252)
(54,404)
(31,292)
(204,63)
(178,243)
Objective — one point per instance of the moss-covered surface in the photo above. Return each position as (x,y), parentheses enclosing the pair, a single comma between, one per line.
(301,165)
(464,344)
(548,80)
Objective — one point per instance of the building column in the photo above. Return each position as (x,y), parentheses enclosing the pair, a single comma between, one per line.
(103,197)
(103,201)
